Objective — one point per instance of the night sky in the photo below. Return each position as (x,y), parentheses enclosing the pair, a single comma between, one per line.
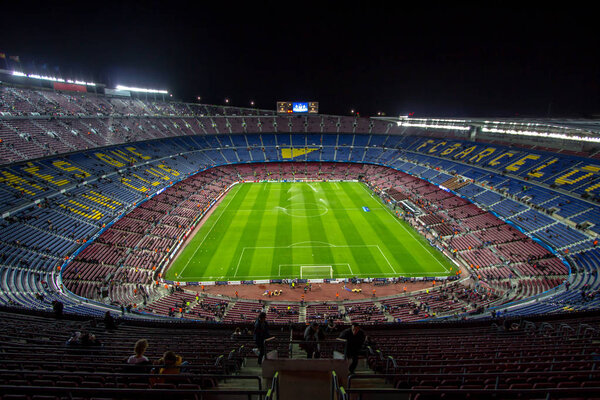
(433,59)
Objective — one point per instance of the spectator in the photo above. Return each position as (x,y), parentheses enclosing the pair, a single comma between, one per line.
(261,333)
(109,322)
(312,336)
(83,339)
(58,307)
(171,364)
(139,349)
(330,326)
(237,332)
(355,338)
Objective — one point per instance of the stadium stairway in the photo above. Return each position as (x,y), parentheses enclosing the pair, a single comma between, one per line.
(229,307)
(249,367)
(302,314)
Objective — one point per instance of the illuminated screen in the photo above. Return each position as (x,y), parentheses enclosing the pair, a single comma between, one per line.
(300,107)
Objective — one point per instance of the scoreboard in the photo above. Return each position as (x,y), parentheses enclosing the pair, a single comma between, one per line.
(297,107)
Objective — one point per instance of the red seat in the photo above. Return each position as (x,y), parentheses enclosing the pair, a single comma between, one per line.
(91,384)
(42,382)
(590,384)
(164,386)
(66,384)
(519,386)
(544,385)
(188,386)
(138,385)
(568,384)
(469,387)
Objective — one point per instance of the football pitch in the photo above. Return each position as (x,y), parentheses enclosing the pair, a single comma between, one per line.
(308,230)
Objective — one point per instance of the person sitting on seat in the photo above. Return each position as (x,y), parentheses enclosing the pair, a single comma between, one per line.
(138,357)
(171,363)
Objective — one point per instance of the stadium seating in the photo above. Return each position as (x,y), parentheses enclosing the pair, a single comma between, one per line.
(100,206)
(97,193)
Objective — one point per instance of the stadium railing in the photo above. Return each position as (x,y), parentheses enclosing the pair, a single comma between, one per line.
(174,385)
(326,348)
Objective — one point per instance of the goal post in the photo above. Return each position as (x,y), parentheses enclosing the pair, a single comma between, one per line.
(316,271)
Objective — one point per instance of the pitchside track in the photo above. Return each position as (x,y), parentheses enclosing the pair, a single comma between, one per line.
(277,230)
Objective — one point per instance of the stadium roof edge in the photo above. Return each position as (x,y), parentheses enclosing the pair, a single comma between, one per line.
(559,128)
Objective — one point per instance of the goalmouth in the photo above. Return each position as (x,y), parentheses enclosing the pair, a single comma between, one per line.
(316,271)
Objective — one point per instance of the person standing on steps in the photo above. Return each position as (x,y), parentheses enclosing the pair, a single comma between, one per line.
(355,338)
(261,333)
(313,335)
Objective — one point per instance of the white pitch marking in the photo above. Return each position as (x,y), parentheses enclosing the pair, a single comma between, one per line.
(386,259)
(308,247)
(309,241)
(411,234)
(239,261)
(208,233)
(254,277)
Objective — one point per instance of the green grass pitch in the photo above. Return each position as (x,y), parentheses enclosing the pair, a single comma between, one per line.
(277,230)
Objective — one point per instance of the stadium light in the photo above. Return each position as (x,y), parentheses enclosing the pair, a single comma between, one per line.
(432,125)
(52,78)
(135,89)
(226,101)
(550,135)
(252,103)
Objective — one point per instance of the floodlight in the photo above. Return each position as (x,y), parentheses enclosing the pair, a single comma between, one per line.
(136,89)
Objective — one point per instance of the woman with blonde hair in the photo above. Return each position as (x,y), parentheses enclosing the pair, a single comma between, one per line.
(139,349)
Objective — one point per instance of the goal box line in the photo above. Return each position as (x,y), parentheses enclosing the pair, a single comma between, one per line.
(316,267)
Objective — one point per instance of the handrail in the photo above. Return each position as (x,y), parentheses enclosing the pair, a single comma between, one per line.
(335,384)
(128,393)
(409,368)
(274,389)
(589,373)
(524,393)
(131,376)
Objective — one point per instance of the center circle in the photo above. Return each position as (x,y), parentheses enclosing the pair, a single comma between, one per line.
(308,210)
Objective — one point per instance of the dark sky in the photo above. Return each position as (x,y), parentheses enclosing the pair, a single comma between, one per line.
(431,58)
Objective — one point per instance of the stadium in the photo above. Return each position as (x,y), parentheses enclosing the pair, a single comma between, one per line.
(112,202)
(162,244)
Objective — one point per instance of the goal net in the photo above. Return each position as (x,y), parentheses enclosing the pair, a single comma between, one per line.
(316,271)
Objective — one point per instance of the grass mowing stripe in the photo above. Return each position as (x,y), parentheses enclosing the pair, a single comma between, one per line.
(259,262)
(188,255)
(391,242)
(249,235)
(440,259)
(213,262)
(351,236)
(316,228)
(366,232)
(283,235)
